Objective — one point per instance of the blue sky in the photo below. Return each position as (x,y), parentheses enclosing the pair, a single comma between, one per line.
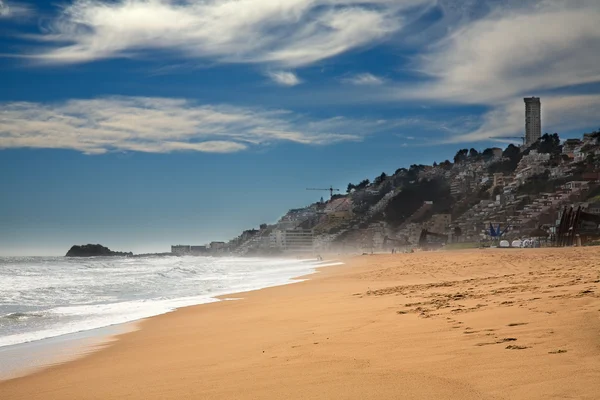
(143,123)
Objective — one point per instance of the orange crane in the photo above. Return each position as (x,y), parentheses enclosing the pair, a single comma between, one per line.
(331,190)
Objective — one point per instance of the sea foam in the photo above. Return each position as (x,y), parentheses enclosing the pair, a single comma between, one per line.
(48,297)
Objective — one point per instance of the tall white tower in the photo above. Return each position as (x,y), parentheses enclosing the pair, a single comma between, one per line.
(533,120)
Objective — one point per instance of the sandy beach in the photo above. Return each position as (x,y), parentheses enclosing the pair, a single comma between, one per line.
(480,324)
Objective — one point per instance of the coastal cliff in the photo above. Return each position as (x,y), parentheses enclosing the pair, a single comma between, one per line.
(95,250)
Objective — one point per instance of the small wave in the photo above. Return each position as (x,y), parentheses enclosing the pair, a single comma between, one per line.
(21,316)
(58,296)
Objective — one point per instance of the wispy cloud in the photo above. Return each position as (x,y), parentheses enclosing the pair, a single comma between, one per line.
(363,79)
(14,10)
(496,52)
(284,78)
(536,46)
(287,33)
(559,113)
(162,125)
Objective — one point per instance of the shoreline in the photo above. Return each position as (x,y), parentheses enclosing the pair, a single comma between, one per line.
(461,324)
(56,350)
(23,359)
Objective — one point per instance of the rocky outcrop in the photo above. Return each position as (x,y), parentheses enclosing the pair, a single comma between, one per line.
(95,250)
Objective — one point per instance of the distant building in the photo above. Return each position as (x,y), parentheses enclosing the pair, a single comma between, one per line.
(293,240)
(570,145)
(198,249)
(185,249)
(533,158)
(594,208)
(217,245)
(499,179)
(533,120)
(575,185)
(181,249)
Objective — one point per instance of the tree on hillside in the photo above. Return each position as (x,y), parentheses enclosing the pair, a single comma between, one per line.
(457,232)
(549,144)
(380,179)
(435,164)
(512,152)
(446,164)
(540,183)
(363,184)
(488,154)
(484,191)
(473,153)
(590,161)
(413,196)
(461,155)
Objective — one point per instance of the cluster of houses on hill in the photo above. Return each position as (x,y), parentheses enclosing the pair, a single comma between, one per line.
(529,195)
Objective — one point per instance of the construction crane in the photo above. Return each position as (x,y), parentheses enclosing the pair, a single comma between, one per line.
(522,138)
(331,190)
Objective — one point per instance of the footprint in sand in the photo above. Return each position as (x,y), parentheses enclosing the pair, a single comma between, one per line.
(505,340)
(515,347)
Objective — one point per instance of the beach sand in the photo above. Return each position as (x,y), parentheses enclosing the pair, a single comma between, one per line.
(480,324)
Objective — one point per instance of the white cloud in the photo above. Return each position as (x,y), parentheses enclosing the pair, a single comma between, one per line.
(14,10)
(363,79)
(287,33)
(513,52)
(559,113)
(163,125)
(284,78)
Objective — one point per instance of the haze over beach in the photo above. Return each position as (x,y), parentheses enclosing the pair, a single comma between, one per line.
(299,199)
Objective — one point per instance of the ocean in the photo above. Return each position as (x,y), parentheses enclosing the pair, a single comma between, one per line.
(46,297)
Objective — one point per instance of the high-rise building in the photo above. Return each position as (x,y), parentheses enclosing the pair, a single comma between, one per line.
(533,120)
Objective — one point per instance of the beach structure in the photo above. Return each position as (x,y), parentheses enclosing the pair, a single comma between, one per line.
(577,227)
(496,233)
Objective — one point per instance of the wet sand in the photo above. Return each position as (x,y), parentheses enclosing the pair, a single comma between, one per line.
(481,324)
